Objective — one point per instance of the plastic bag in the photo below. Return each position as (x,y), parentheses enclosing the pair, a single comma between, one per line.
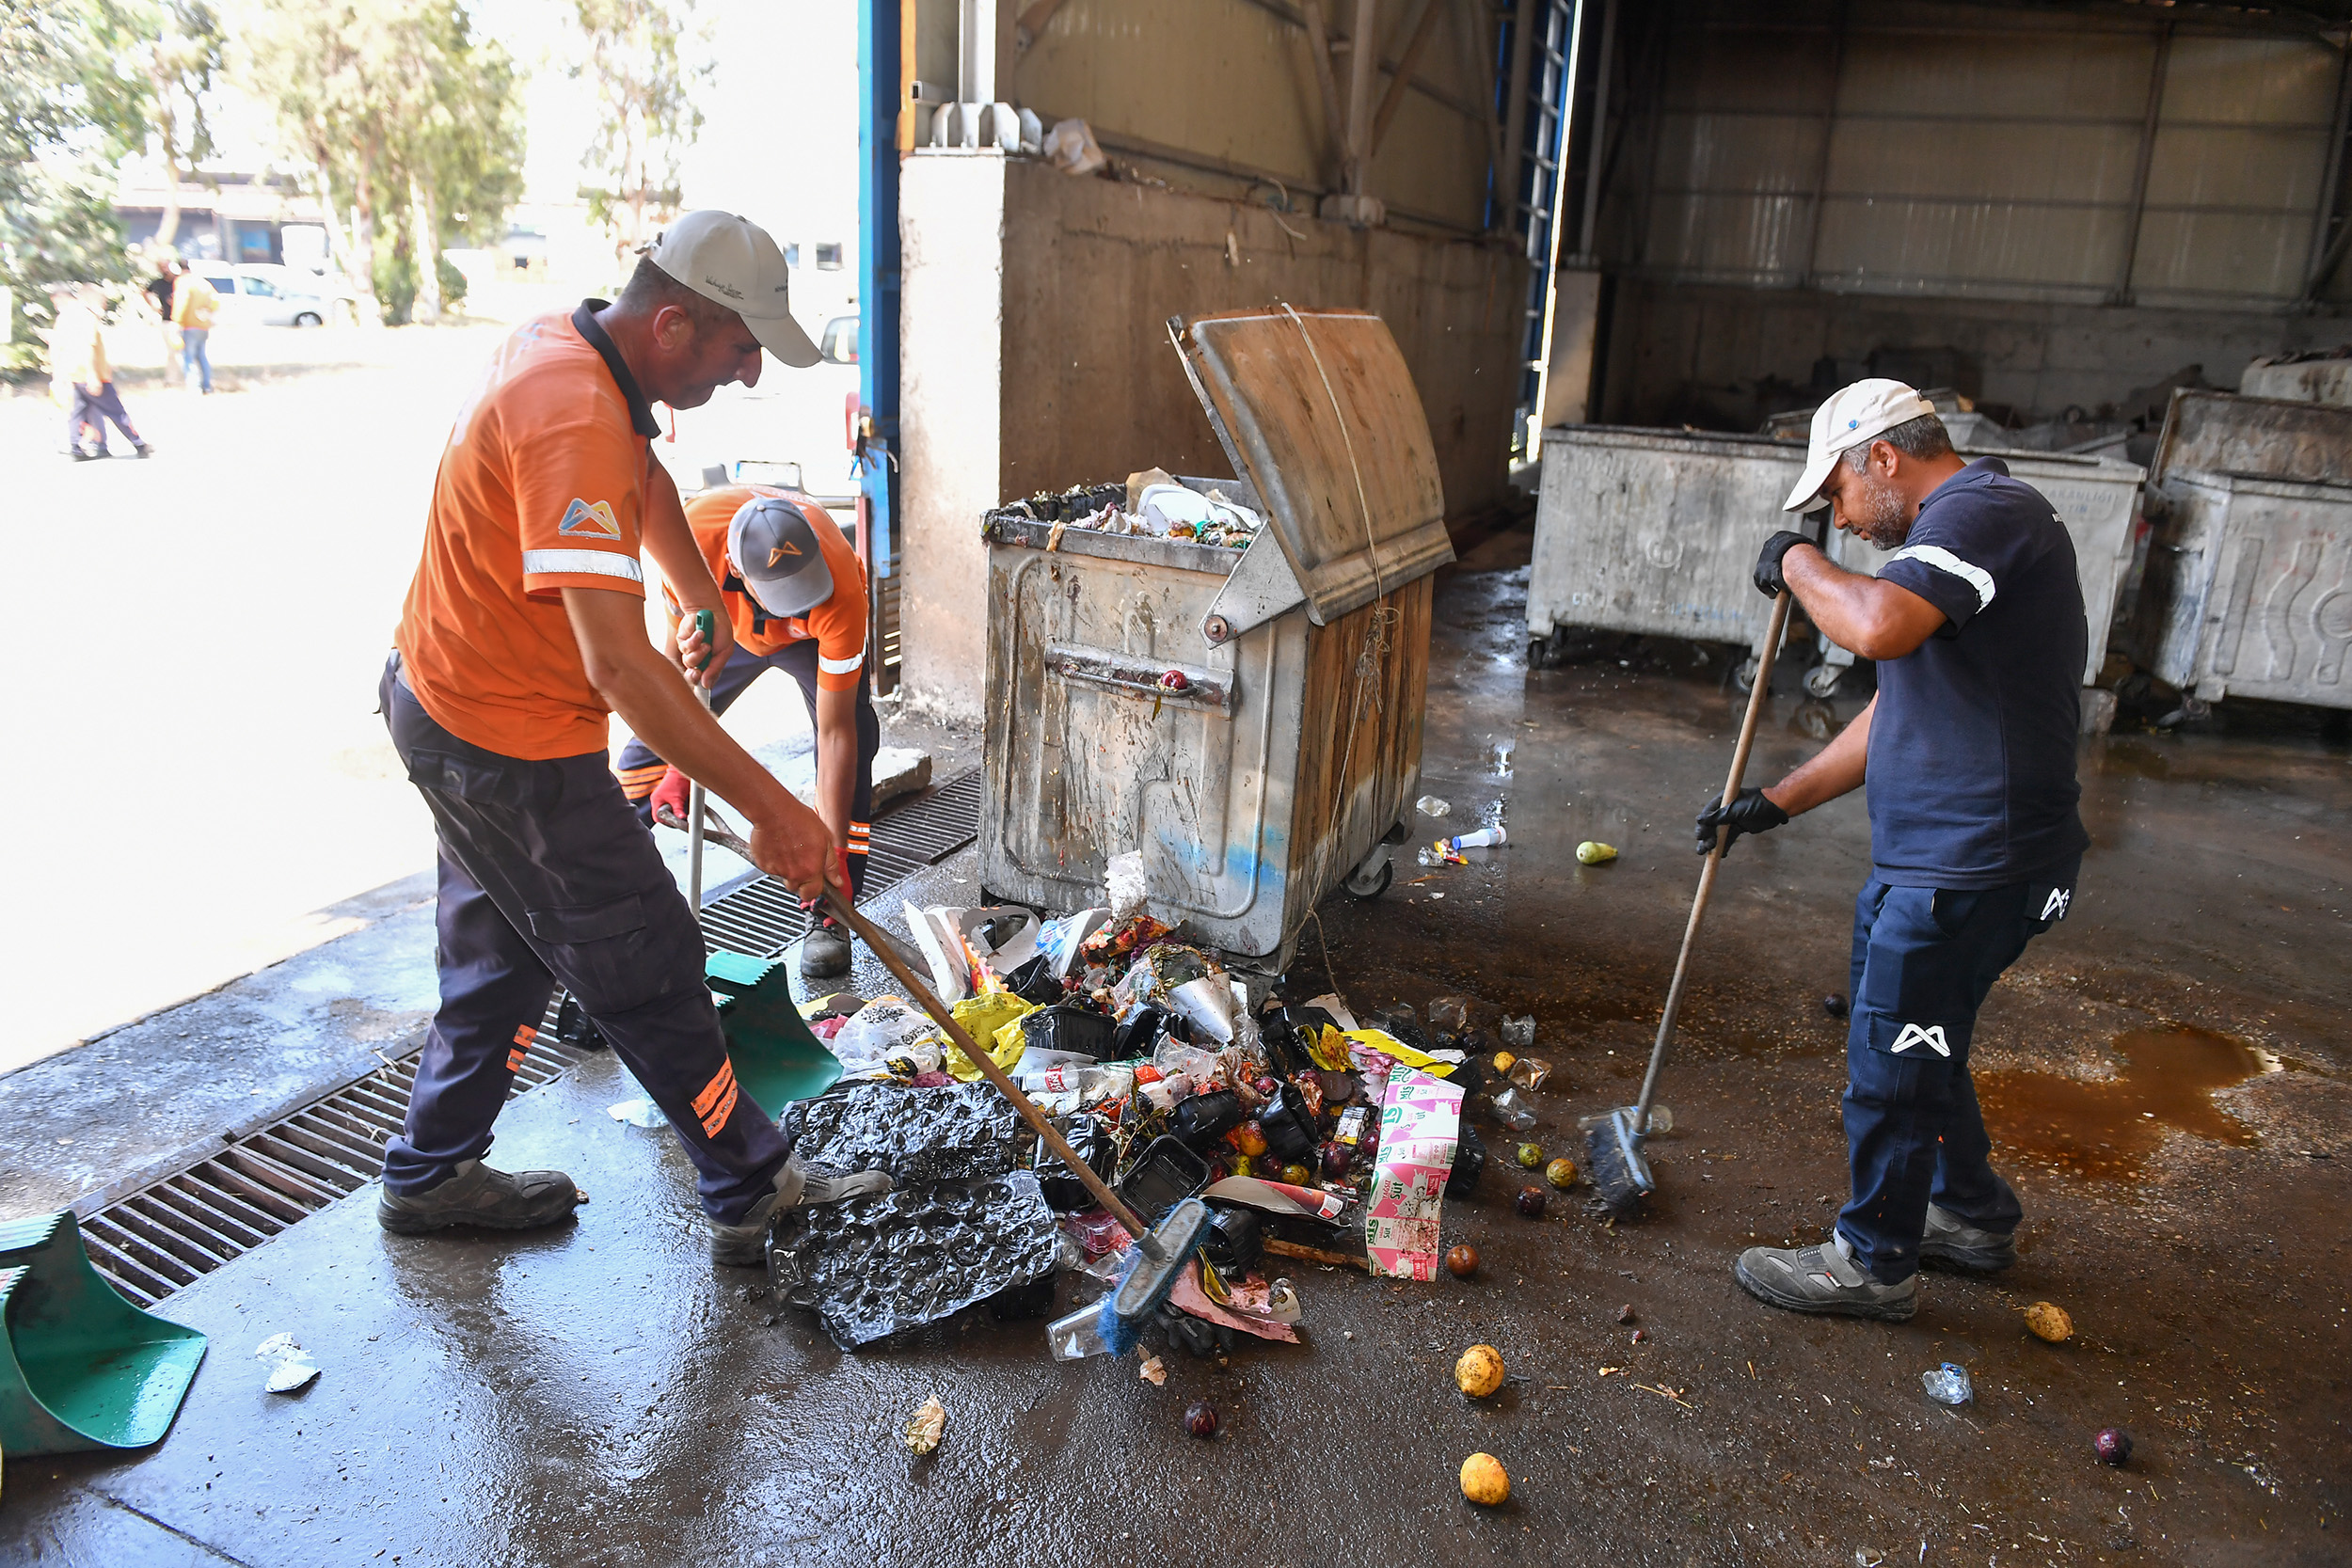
(875,1266)
(1123,878)
(959,1133)
(1070,147)
(885,1026)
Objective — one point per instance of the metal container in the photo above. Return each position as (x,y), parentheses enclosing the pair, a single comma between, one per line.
(1249,719)
(1655,532)
(2249,589)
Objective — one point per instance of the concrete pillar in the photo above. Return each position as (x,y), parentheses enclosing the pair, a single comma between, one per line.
(951,234)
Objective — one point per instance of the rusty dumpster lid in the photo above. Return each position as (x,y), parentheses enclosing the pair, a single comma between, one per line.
(1317,410)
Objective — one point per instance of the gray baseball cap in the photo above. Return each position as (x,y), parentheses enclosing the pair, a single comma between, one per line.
(775,554)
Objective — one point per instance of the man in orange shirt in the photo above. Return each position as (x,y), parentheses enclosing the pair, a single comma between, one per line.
(795,596)
(523,630)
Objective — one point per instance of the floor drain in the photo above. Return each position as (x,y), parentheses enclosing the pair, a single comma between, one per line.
(174,1231)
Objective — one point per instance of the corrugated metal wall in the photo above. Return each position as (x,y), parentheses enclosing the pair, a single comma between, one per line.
(1972,151)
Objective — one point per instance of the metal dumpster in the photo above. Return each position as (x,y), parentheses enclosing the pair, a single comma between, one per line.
(2250,567)
(1655,532)
(1249,719)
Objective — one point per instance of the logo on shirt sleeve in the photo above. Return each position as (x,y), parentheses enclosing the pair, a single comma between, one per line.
(593,520)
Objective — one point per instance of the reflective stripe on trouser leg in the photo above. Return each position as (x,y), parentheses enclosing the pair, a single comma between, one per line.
(489,978)
(592,902)
(800,661)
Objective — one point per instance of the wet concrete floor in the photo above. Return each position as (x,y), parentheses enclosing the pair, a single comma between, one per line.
(2166,1076)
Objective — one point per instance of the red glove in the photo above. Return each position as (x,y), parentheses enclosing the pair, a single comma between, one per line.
(671,792)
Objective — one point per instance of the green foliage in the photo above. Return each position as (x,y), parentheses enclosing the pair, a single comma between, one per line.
(386,99)
(452,281)
(66,114)
(643,87)
(395,283)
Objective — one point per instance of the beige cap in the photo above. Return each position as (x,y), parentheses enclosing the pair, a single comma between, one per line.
(1859,413)
(731,260)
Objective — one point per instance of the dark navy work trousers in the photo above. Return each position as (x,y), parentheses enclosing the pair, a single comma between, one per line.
(546,877)
(1923,961)
(641,769)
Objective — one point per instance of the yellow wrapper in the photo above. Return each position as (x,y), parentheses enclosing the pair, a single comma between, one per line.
(994,1021)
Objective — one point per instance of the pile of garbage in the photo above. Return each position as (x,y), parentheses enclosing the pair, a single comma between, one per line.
(1151,503)
(1312,1136)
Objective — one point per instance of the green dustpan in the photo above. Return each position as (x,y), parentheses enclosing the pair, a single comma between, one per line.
(776,1059)
(80,1368)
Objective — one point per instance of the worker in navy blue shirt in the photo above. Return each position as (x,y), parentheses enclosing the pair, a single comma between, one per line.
(1977,622)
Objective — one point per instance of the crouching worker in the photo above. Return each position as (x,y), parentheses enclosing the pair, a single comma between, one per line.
(524,629)
(794,594)
(1977,622)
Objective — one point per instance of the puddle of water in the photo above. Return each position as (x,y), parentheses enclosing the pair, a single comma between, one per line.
(2105,1128)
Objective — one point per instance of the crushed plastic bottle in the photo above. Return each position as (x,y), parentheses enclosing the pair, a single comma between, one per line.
(1075,1336)
(1429,805)
(1512,1109)
(1430,856)
(1519,1033)
(1494,813)
(1948,1384)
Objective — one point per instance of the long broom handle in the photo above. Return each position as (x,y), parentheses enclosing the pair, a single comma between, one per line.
(706,622)
(885,949)
(1756,694)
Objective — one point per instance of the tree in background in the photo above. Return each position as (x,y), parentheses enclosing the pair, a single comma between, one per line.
(412,125)
(175,49)
(66,116)
(649,120)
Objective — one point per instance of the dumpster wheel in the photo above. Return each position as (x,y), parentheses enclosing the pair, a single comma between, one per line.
(1364,882)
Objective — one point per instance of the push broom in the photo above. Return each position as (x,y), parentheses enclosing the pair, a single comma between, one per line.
(1612,1144)
(1159,1254)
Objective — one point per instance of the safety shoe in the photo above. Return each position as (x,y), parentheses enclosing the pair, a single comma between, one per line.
(1823,1279)
(144,449)
(479,1196)
(825,951)
(744,1244)
(1957,1244)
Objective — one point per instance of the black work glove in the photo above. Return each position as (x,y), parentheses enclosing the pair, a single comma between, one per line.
(1751,812)
(1768,579)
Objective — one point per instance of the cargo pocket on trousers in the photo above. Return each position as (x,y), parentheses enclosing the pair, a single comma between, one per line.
(470,779)
(605,954)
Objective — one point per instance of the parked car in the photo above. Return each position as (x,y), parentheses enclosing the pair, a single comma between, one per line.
(260,295)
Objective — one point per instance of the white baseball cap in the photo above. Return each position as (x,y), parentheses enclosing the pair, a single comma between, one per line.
(731,260)
(1851,417)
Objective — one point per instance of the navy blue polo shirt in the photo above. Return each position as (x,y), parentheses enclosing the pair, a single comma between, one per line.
(1972,744)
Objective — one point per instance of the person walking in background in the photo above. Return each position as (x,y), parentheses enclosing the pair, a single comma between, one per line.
(158,289)
(82,380)
(193,306)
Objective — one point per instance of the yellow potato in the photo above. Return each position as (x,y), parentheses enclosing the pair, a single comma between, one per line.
(2049,1321)
(1485,1480)
(1479,1372)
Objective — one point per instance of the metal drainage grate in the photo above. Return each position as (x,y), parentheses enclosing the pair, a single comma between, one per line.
(183,1227)
(763,917)
(176,1230)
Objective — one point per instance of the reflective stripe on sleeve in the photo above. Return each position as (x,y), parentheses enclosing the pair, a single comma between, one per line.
(602,563)
(841,666)
(1945,561)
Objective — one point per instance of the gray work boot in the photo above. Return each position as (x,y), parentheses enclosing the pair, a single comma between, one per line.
(1823,1279)
(1957,1244)
(744,1244)
(477,1195)
(825,951)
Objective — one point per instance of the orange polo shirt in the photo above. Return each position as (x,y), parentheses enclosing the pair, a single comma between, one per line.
(544,485)
(838,624)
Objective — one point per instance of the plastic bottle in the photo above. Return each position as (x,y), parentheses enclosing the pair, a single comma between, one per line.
(1946,1384)
(1429,805)
(1519,1033)
(1484,838)
(1512,1109)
